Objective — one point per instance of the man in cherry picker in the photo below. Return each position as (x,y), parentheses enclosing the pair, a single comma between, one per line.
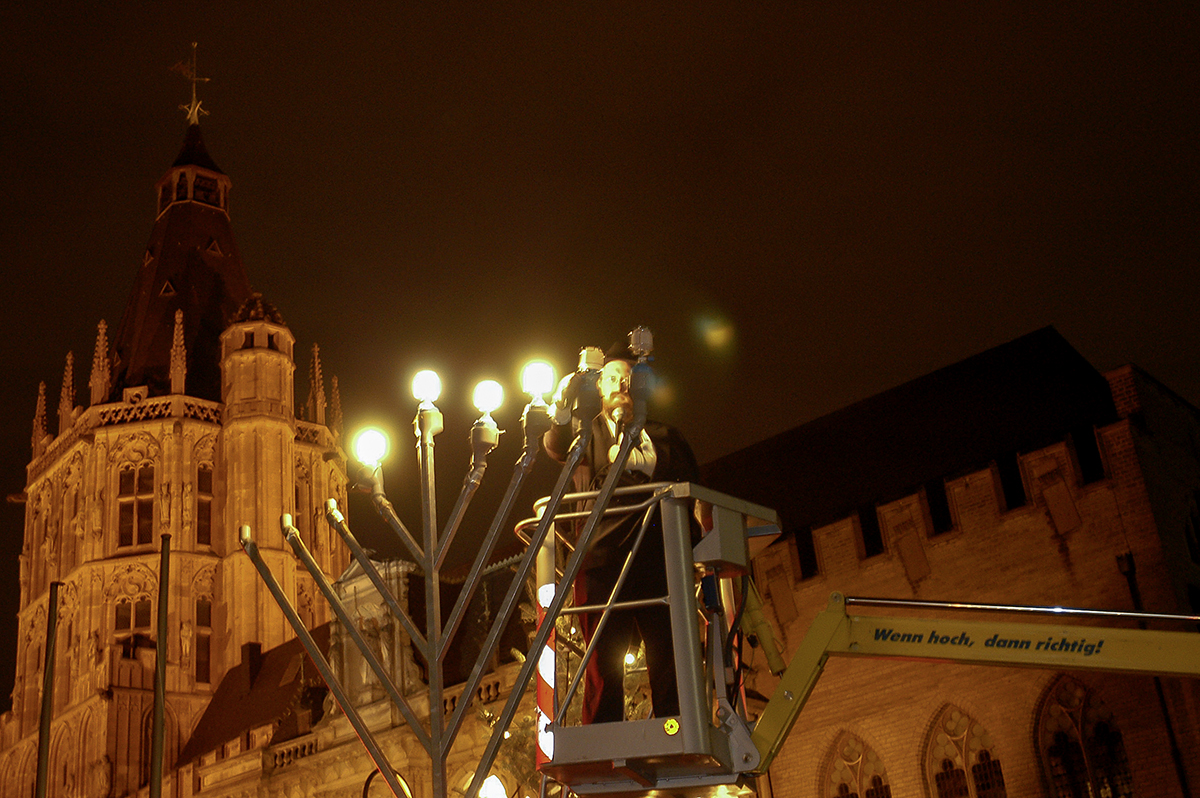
(661,455)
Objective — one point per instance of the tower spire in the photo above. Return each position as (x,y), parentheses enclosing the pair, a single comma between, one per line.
(335,410)
(100,369)
(316,388)
(66,399)
(188,70)
(39,421)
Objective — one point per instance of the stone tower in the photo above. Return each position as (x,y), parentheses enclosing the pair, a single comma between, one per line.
(190,429)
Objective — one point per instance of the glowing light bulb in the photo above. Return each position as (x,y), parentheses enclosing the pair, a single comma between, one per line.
(630,659)
(537,378)
(427,386)
(370,446)
(488,395)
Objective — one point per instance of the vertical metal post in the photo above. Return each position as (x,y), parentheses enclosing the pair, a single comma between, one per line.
(160,671)
(43,760)
(689,671)
(314,653)
(429,424)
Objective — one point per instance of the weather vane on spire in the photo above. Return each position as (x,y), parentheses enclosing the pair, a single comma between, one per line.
(194,111)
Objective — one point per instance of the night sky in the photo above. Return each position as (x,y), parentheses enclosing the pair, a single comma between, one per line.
(806,205)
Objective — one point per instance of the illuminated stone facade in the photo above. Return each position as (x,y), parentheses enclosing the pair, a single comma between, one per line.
(188,429)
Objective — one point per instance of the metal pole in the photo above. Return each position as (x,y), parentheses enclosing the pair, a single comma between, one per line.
(43,760)
(160,670)
(689,672)
(338,521)
(1021,608)
(314,653)
(428,424)
(535,420)
(517,585)
(302,553)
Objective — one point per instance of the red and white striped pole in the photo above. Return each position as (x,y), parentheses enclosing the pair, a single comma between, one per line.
(546,667)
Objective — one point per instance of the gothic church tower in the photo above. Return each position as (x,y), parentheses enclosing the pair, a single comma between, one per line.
(189,429)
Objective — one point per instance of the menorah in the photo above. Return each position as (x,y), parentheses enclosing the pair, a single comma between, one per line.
(430,554)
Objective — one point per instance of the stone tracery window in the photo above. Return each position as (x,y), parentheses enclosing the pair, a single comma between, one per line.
(855,770)
(1083,752)
(135,505)
(960,759)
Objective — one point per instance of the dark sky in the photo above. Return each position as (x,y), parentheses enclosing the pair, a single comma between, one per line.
(807,205)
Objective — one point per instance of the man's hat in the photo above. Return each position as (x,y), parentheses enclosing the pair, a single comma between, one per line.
(620,351)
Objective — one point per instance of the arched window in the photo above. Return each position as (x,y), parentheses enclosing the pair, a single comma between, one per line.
(960,759)
(855,770)
(135,505)
(1083,752)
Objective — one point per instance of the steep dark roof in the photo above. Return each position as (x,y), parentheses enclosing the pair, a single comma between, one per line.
(191,264)
(194,153)
(1016,397)
(287,683)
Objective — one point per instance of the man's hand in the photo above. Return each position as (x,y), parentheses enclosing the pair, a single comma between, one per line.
(564,398)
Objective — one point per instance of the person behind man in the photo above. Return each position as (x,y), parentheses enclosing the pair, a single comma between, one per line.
(661,455)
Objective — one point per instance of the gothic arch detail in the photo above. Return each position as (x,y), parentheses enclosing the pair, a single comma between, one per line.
(136,448)
(131,580)
(63,775)
(68,600)
(1081,748)
(202,581)
(203,450)
(961,759)
(854,770)
(37,625)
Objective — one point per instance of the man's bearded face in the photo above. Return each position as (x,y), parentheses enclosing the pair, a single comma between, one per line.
(614,387)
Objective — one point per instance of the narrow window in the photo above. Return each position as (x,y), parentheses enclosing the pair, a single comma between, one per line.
(141,614)
(939,506)
(871,534)
(1087,453)
(135,505)
(951,782)
(124,617)
(1009,468)
(806,553)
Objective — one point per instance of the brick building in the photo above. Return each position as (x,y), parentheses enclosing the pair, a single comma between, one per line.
(1018,476)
